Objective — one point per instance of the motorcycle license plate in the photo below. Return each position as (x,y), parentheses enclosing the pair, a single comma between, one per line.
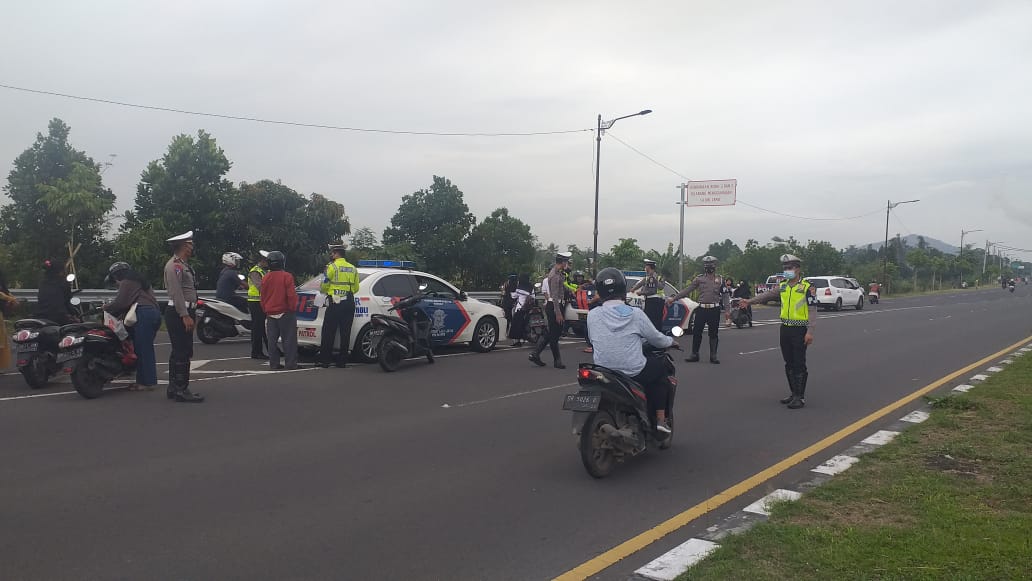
(575,402)
(28,347)
(69,355)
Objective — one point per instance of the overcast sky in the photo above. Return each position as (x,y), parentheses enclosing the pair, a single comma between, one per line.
(820,109)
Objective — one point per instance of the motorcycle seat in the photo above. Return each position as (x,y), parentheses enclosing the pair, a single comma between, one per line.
(85,326)
(35,323)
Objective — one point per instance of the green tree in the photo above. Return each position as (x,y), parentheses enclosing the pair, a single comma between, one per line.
(625,255)
(500,245)
(821,258)
(54,189)
(723,251)
(434,223)
(918,260)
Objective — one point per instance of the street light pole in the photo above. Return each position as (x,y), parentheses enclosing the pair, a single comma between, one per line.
(960,255)
(680,247)
(602,126)
(889,205)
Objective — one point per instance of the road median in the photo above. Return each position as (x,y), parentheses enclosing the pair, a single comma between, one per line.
(947,499)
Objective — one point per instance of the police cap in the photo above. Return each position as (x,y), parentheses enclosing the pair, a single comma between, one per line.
(185,237)
(790,260)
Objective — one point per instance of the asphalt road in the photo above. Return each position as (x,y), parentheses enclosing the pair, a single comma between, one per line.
(359,474)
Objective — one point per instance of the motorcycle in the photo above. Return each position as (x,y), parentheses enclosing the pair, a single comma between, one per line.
(406,335)
(36,343)
(1010,286)
(218,319)
(95,353)
(740,315)
(873,297)
(611,420)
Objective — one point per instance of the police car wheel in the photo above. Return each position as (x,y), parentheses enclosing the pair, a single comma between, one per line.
(363,350)
(485,336)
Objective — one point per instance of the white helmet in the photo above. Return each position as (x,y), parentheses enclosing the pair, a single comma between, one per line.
(232,259)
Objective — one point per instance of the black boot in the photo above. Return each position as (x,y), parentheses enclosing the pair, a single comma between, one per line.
(792,388)
(182,391)
(713,350)
(535,355)
(170,390)
(693,358)
(799,400)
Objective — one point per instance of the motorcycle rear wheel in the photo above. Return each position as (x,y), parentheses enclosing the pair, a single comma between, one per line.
(595,451)
(88,383)
(35,373)
(206,332)
(390,356)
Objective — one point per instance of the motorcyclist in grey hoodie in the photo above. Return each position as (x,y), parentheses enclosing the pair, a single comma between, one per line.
(618,332)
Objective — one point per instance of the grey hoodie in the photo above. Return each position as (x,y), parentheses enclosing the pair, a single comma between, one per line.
(618,332)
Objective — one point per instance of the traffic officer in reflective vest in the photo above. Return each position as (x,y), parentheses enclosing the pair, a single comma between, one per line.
(179,317)
(259,344)
(651,287)
(339,285)
(798,308)
(708,313)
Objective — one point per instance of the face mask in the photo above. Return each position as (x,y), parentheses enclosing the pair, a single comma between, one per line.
(711,269)
(789,274)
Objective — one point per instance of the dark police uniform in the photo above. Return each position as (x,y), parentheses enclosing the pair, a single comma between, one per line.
(182,302)
(340,284)
(651,287)
(708,313)
(556,303)
(797,319)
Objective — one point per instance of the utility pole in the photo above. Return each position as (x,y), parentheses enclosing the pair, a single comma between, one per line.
(680,248)
(960,266)
(889,205)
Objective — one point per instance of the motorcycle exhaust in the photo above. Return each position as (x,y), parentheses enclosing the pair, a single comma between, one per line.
(624,439)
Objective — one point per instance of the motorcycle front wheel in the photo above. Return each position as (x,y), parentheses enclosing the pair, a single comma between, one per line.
(595,450)
(390,356)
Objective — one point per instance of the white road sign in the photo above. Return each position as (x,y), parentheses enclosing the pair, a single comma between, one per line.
(712,193)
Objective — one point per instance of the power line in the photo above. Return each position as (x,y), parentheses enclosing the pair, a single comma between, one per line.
(291,123)
(739,200)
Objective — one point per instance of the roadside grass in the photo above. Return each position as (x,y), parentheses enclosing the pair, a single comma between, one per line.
(948,499)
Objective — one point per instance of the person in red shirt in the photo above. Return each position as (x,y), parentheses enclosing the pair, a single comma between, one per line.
(279,302)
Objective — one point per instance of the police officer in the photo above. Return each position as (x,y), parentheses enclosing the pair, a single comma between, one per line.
(340,284)
(651,287)
(555,296)
(708,313)
(798,308)
(179,317)
(259,344)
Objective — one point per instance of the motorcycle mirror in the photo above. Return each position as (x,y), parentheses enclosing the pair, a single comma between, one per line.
(241,277)
(70,278)
(677,332)
(423,287)
(75,300)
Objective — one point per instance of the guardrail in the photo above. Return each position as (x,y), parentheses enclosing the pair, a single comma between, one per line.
(90,295)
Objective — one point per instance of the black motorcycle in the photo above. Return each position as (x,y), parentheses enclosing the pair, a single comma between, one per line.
(36,344)
(396,338)
(93,354)
(611,418)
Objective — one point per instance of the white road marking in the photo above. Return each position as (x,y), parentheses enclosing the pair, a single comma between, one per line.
(979,377)
(1006,362)
(915,417)
(880,438)
(994,369)
(963,388)
(759,351)
(509,396)
(836,465)
(762,506)
(674,563)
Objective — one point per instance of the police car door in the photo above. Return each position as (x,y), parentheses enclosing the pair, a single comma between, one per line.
(448,317)
(675,314)
(391,287)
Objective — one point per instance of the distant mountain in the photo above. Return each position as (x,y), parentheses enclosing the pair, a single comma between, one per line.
(912,242)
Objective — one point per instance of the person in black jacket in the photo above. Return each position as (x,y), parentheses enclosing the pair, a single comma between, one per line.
(54,301)
(742,291)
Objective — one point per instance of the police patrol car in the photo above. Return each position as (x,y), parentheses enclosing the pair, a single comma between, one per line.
(455,318)
(675,315)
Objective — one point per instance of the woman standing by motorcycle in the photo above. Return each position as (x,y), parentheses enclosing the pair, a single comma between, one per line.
(133,289)
(744,292)
(522,298)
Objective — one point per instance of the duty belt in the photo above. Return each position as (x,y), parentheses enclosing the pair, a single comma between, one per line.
(189,305)
(795,323)
(708,305)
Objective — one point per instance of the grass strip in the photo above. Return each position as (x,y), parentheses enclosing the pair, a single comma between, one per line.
(948,499)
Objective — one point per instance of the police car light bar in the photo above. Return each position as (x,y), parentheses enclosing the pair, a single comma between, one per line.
(407,264)
(640,273)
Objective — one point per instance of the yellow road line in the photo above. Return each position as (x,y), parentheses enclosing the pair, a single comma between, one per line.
(639,542)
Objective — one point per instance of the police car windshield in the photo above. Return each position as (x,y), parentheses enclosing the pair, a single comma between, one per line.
(313,283)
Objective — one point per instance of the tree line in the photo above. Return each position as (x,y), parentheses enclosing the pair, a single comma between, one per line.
(59,206)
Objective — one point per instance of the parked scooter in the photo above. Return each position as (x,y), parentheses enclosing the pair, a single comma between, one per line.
(36,344)
(218,319)
(403,336)
(611,419)
(95,353)
(1010,286)
(740,315)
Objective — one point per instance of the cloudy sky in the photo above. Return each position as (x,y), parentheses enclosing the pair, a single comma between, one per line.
(819,109)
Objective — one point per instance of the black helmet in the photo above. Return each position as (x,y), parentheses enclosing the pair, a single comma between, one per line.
(277,260)
(116,271)
(611,284)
